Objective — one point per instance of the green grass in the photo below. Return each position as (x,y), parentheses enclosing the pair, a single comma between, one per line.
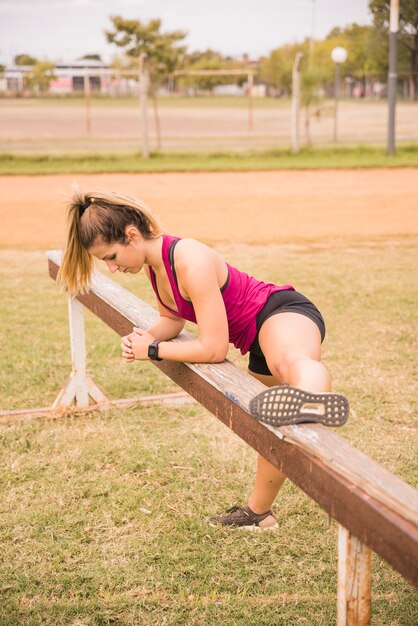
(177,101)
(163,101)
(77,545)
(308,158)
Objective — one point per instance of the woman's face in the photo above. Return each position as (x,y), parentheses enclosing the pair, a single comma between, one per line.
(127,258)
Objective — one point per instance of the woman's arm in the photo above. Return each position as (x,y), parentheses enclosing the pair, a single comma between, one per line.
(197,276)
(165,327)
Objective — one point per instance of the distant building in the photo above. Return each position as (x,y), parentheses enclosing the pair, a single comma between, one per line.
(257,91)
(11,81)
(229,90)
(70,78)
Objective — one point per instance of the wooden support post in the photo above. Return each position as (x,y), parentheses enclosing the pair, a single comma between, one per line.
(80,386)
(143,77)
(87,97)
(354,575)
(250,84)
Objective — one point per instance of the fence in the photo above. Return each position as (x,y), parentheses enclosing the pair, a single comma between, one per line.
(113,126)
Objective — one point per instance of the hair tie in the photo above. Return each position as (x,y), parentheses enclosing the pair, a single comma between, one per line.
(84,206)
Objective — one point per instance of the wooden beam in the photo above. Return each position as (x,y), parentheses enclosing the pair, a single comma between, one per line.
(376,506)
(243,72)
(172,399)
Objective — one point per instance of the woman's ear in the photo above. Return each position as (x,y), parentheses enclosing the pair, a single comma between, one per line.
(132,234)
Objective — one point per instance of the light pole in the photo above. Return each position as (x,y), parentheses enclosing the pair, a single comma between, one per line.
(312,39)
(338,55)
(392,78)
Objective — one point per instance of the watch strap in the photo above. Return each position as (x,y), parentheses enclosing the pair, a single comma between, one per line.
(153,350)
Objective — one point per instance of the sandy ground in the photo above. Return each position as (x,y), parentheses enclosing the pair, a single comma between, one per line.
(252,207)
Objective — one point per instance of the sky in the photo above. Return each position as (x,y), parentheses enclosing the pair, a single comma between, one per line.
(64,30)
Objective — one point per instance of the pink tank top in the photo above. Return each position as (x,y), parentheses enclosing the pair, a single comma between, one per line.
(243,296)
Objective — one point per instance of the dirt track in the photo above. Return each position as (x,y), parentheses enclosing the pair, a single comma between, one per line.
(252,207)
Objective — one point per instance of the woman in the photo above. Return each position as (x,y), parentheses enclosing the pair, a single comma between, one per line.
(279,327)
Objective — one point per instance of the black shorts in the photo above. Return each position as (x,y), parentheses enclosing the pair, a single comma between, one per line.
(287,301)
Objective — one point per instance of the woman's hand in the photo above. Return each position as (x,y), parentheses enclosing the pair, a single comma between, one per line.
(126,345)
(135,345)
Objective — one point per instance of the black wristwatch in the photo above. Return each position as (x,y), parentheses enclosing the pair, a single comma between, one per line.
(153,350)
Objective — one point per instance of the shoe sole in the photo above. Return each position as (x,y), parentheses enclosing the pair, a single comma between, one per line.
(252,528)
(257,529)
(285,405)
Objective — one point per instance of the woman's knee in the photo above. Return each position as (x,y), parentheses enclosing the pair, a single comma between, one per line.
(285,366)
(300,370)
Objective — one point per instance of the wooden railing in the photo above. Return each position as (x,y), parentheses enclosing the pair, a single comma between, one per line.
(375,509)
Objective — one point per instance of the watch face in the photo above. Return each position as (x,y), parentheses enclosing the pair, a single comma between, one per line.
(153,351)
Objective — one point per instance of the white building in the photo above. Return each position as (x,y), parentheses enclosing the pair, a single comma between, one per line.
(70,78)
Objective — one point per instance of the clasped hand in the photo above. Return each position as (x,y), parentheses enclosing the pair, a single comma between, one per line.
(135,346)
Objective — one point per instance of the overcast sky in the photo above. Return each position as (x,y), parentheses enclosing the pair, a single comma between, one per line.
(67,29)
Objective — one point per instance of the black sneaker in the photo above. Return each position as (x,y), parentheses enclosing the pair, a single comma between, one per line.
(244,517)
(279,406)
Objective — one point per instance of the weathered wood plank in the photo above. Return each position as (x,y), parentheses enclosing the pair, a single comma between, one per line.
(339,477)
(354,580)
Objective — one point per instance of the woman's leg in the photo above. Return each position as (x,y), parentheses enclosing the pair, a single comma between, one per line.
(268,479)
(291,344)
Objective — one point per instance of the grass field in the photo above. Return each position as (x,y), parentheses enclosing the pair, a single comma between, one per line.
(183,102)
(262,160)
(104,517)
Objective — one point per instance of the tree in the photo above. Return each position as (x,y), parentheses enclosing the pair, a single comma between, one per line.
(408,32)
(24,59)
(159,53)
(40,77)
(161,50)
(312,79)
(210,60)
(365,47)
(276,69)
(91,57)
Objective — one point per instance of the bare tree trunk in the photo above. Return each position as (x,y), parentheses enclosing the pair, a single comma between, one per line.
(412,88)
(413,76)
(369,91)
(308,125)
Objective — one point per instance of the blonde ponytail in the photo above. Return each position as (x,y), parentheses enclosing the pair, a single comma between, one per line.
(98,216)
